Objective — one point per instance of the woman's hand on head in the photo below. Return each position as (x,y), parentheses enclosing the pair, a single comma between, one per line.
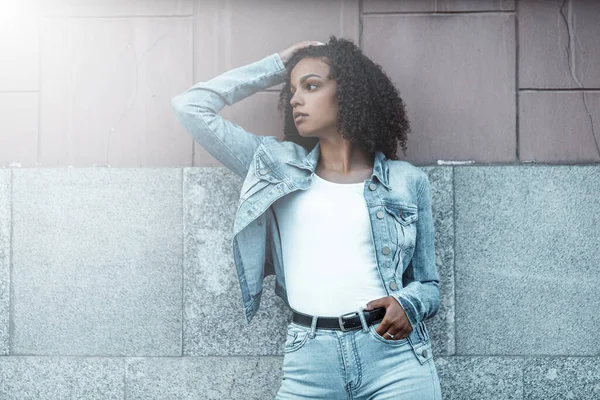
(395,320)
(287,54)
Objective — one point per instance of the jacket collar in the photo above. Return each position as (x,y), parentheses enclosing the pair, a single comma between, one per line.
(380,167)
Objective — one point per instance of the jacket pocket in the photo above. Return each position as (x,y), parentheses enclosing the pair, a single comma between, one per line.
(403,227)
(404,215)
(264,170)
(259,178)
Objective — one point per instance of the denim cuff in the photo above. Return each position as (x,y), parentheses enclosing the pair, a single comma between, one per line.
(409,309)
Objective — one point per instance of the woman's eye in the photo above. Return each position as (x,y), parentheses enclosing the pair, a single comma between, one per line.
(307,86)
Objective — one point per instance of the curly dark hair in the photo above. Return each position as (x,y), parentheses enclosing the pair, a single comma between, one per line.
(371,112)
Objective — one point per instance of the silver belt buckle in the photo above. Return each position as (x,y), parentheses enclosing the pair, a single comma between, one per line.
(341,321)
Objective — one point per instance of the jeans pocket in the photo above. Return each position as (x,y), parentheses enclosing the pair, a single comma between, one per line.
(393,342)
(296,337)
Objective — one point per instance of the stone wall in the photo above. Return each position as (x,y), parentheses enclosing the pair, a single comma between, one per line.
(119,283)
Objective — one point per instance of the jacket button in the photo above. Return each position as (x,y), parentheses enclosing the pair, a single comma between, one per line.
(386,250)
(379,214)
(393,285)
(424,353)
(372,186)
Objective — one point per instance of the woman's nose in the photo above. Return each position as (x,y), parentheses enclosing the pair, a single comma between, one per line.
(294,99)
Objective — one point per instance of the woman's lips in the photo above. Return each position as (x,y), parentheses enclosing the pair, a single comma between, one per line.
(300,118)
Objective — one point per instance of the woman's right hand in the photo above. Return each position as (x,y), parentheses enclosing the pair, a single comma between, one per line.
(287,54)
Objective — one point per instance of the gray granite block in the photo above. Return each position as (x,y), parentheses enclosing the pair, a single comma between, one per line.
(474,378)
(559,126)
(206,378)
(558,44)
(51,378)
(214,323)
(97,257)
(527,260)
(562,378)
(441,326)
(5,224)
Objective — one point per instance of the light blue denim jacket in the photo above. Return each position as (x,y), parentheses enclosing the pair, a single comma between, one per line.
(397,195)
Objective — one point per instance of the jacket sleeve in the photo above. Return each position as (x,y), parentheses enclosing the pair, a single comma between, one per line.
(197,108)
(420,295)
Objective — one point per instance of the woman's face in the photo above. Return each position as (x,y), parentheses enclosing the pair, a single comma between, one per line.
(314,95)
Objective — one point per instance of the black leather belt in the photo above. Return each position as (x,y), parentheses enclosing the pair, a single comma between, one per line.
(346,322)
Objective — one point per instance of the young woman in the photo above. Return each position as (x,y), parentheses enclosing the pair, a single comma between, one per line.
(344,225)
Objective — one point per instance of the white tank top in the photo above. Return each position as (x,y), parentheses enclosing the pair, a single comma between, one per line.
(328,254)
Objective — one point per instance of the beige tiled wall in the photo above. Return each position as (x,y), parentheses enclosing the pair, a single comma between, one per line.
(89,83)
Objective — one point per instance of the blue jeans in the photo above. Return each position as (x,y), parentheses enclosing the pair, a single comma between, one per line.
(330,364)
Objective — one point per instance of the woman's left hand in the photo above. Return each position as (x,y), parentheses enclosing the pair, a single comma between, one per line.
(394,321)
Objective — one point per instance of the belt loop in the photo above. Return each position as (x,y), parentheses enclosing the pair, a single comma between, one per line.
(313,327)
(363,321)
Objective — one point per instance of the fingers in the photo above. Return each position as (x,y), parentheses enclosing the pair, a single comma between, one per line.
(394,336)
(384,326)
(388,326)
(394,327)
(382,302)
(394,322)
(307,43)
(397,333)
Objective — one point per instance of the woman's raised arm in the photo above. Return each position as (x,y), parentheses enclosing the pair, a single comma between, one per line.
(197,108)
